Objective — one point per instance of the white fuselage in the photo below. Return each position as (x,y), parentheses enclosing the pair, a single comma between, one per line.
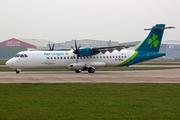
(62,59)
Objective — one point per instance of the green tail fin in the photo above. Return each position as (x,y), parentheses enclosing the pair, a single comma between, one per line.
(153,41)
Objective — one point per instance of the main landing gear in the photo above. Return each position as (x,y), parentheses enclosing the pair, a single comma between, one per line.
(90,70)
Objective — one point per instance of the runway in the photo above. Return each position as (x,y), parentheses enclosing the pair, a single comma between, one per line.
(137,76)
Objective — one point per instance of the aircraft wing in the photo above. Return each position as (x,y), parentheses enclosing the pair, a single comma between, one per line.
(95,50)
(111,48)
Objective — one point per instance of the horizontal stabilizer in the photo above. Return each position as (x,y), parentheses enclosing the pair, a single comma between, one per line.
(162,28)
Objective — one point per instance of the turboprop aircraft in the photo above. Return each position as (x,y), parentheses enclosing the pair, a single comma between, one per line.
(80,59)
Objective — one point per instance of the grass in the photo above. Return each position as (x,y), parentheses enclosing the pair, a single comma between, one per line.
(4,68)
(89,101)
(2,62)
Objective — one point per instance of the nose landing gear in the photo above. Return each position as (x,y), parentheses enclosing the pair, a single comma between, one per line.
(18,71)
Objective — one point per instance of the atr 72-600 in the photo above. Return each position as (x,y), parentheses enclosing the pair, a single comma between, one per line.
(80,59)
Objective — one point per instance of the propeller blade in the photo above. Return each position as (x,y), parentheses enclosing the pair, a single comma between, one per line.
(75,45)
(79,47)
(77,57)
(76,51)
(77,60)
(49,46)
(52,47)
(72,47)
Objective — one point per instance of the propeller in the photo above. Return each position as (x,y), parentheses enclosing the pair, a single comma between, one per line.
(51,49)
(76,51)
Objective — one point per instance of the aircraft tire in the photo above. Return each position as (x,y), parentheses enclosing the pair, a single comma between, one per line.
(91,70)
(17,71)
(78,71)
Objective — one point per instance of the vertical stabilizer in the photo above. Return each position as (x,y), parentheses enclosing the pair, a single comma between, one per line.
(153,41)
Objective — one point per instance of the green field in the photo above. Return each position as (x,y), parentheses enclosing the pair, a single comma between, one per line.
(2,62)
(88,101)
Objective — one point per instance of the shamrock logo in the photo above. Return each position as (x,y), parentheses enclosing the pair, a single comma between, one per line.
(153,41)
(67,53)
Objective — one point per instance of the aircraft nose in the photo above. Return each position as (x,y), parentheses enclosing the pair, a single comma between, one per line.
(9,63)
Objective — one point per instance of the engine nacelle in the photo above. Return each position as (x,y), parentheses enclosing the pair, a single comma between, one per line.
(76,66)
(87,52)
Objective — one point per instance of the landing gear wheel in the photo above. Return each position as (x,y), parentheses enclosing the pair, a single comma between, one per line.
(78,71)
(91,70)
(17,71)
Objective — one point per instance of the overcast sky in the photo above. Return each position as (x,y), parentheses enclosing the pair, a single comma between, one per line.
(62,20)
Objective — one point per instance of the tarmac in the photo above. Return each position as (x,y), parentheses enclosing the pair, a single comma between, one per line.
(136,76)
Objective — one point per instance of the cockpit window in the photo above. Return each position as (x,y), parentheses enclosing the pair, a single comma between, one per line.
(17,55)
(21,55)
(25,55)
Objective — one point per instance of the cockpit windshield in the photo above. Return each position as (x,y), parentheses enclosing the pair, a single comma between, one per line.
(20,55)
(17,55)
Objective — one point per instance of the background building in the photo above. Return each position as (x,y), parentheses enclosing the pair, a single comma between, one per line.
(171,48)
(9,48)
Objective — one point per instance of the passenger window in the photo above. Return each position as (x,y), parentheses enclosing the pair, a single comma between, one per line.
(48,58)
(116,57)
(103,56)
(87,57)
(54,57)
(100,56)
(57,57)
(97,57)
(21,55)
(84,57)
(61,57)
(91,57)
(122,56)
(51,57)
(107,56)
(113,56)
(64,57)
(119,56)
(67,57)
(125,56)
(94,57)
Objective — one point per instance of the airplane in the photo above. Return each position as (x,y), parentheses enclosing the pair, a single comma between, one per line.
(80,59)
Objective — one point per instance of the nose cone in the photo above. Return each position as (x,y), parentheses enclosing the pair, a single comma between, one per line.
(9,63)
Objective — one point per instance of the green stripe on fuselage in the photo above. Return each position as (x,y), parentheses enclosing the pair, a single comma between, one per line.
(129,59)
